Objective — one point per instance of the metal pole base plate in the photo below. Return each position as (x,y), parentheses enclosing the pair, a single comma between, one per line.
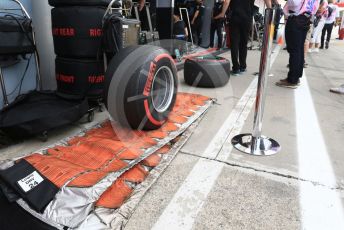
(264,146)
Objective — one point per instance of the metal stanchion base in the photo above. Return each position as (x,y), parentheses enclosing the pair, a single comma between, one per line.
(265,146)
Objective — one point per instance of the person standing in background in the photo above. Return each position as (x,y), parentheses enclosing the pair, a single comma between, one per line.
(196,22)
(217,24)
(240,26)
(318,25)
(333,13)
(278,16)
(298,13)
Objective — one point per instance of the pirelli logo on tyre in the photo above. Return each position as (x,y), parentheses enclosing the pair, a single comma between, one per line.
(149,81)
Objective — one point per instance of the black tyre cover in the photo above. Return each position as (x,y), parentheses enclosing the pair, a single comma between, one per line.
(79,2)
(130,87)
(78,78)
(77,31)
(207,71)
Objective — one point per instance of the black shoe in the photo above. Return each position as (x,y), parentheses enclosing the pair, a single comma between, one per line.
(235,72)
(286,84)
(321,47)
(285,80)
(326,45)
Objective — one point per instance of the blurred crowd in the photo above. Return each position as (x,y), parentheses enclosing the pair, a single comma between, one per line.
(308,28)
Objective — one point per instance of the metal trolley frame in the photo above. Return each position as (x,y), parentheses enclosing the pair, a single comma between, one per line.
(38,75)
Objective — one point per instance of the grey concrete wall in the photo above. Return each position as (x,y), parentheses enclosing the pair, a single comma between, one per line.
(41,17)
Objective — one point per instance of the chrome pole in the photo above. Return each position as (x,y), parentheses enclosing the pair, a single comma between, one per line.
(149,18)
(189,24)
(255,143)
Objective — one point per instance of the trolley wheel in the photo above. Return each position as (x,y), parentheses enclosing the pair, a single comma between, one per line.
(90,116)
(43,136)
(100,108)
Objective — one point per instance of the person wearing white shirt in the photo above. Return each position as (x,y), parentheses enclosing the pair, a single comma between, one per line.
(298,14)
(333,14)
(318,25)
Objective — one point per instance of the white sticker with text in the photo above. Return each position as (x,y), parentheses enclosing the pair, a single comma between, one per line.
(31,181)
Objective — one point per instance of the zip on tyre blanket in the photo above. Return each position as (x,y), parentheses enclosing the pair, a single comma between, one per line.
(72,205)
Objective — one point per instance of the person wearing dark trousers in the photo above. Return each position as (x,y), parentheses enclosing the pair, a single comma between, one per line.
(298,22)
(240,25)
(241,13)
(295,38)
(332,15)
(217,24)
(239,38)
(196,22)
(327,29)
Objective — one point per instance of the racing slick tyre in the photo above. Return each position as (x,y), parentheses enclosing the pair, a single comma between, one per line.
(140,87)
(207,71)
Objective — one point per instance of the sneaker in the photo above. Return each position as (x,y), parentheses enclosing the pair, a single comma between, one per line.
(316,50)
(326,45)
(242,71)
(305,65)
(321,47)
(339,90)
(235,72)
(310,50)
(286,84)
(286,81)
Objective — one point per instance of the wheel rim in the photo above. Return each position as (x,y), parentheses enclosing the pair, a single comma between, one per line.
(162,89)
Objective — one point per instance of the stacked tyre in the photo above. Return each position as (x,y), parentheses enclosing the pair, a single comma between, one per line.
(77,33)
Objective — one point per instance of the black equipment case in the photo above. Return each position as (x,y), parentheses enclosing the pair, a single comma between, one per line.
(37,112)
(15,35)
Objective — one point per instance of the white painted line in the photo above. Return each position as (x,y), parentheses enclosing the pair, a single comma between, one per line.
(239,124)
(189,199)
(182,210)
(222,136)
(245,103)
(321,207)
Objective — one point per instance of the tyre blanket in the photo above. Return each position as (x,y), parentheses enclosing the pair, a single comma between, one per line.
(99,167)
